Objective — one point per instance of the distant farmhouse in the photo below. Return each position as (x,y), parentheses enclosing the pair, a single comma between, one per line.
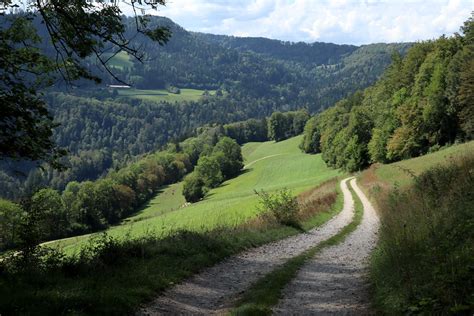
(118,86)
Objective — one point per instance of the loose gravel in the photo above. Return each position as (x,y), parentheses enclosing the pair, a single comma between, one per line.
(334,282)
(215,290)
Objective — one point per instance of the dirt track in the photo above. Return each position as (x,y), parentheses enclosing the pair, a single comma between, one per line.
(214,290)
(335,281)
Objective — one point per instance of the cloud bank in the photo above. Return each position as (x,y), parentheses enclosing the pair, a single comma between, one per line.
(337,21)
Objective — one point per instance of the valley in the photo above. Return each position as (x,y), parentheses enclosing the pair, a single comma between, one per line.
(148,168)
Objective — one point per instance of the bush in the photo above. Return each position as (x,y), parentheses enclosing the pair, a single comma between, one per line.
(282,205)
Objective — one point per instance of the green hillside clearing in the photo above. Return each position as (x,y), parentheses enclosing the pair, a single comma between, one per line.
(119,61)
(159,95)
(231,204)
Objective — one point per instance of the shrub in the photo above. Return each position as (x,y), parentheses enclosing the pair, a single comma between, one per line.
(282,205)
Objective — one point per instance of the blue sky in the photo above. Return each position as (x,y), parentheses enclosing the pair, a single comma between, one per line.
(337,21)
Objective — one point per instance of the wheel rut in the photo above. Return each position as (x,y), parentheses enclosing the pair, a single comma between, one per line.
(215,290)
(335,281)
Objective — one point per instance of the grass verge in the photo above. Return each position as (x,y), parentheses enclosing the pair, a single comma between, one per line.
(265,293)
(112,276)
(424,262)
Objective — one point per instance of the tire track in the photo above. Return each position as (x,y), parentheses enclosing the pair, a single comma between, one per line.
(335,281)
(214,290)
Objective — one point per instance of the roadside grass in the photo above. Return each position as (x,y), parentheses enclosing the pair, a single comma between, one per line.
(400,173)
(113,276)
(266,292)
(159,95)
(231,204)
(424,262)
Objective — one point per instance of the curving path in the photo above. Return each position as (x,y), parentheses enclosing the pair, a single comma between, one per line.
(214,290)
(335,281)
(266,157)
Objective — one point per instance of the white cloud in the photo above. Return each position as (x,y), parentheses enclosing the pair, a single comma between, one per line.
(338,21)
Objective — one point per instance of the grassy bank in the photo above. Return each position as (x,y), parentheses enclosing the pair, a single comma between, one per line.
(266,292)
(113,276)
(425,257)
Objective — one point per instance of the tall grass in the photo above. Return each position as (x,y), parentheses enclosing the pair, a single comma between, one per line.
(425,259)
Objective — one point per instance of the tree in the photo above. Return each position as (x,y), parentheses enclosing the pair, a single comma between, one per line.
(208,169)
(76,30)
(466,96)
(193,188)
(229,155)
(311,137)
(11,217)
(277,126)
(47,209)
(299,121)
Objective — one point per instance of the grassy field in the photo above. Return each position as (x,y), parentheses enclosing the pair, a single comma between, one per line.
(158,95)
(115,276)
(120,60)
(233,203)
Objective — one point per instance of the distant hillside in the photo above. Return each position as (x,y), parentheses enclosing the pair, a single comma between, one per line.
(233,79)
(316,53)
(291,75)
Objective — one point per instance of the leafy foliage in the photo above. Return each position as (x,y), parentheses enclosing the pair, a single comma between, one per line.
(424,261)
(282,205)
(422,102)
(222,163)
(74,30)
(282,126)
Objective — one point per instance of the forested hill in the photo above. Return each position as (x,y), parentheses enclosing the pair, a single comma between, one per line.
(317,53)
(248,78)
(294,75)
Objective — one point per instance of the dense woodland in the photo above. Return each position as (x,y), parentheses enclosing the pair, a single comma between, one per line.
(424,101)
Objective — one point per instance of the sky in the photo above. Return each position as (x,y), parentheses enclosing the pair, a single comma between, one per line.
(336,21)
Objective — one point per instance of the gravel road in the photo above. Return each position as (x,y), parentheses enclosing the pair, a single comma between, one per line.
(214,290)
(334,282)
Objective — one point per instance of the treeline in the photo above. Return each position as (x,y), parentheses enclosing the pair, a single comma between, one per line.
(106,135)
(94,205)
(423,101)
(279,126)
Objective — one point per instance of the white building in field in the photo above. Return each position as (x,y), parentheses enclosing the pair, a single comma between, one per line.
(118,86)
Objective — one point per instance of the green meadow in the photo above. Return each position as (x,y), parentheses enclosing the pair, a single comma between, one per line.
(271,166)
(159,95)
(119,61)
